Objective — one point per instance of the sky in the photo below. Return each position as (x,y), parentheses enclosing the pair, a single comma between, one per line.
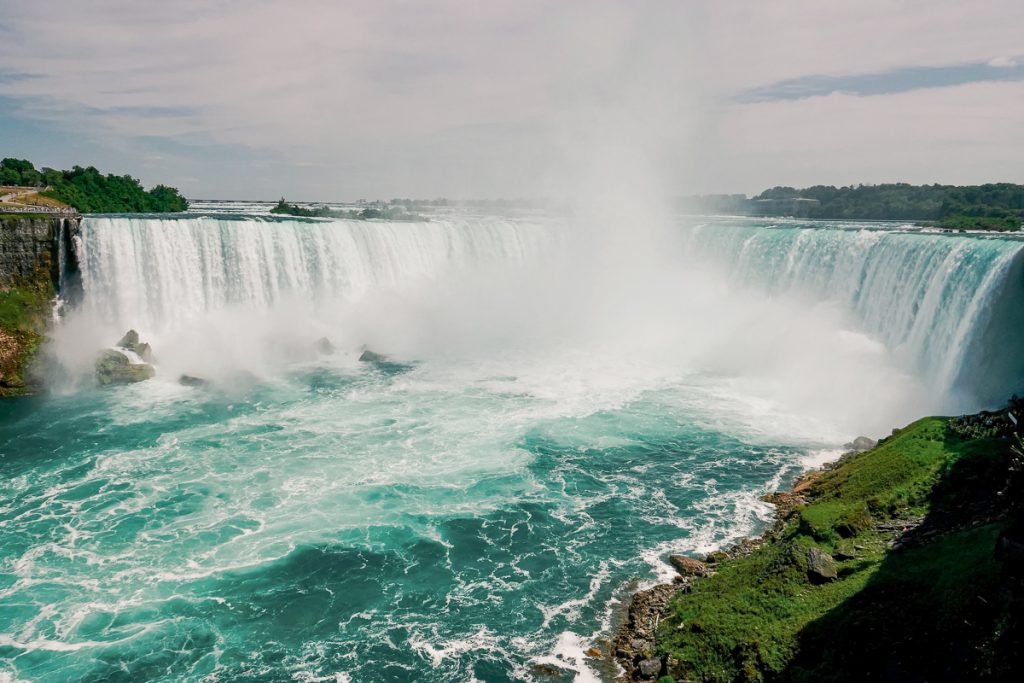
(319,101)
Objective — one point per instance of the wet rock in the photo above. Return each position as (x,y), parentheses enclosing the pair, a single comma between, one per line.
(821,568)
(369,356)
(595,652)
(687,566)
(325,347)
(190,381)
(113,367)
(130,341)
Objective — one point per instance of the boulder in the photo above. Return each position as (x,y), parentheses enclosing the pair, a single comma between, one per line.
(649,668)
(130,341)
(113,367)
(687,566)
(190,381)
(369,356)
(324,346)
(821,568)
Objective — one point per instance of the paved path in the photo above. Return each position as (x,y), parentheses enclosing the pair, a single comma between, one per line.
(6,198)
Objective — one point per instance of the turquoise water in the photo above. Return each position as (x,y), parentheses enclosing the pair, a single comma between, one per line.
(481,505)
(339,524)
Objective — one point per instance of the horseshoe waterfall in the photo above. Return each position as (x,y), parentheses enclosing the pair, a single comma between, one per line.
(448,449)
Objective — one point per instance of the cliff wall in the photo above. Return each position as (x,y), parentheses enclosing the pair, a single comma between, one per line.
(35,252)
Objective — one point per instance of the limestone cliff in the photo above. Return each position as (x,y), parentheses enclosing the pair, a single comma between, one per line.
(36,256)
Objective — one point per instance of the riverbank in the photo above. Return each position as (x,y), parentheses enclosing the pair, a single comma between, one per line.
(882,565)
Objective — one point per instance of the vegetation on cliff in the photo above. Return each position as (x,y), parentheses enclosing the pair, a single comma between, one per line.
(883,567)
(23,316)
(89,191)
(994,206)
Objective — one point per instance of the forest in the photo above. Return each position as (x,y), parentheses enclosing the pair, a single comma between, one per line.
(89,191)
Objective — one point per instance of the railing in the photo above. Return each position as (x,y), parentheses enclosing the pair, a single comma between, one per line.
(42,210)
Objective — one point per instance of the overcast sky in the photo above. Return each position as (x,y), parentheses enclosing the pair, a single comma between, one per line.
(342,100)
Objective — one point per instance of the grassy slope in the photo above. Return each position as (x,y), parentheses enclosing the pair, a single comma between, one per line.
(760,618)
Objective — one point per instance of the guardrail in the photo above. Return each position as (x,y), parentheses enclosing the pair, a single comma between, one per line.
(42,210)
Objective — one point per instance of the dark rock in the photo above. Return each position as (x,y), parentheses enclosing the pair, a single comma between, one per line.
(1010,549)
(649,668)
(369,356)
(190,381)
(821,568)
(716,557)
(113,367)
(324,346)
(687,566)
(130,341)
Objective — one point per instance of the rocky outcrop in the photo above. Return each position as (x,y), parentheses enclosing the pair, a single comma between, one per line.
(687,566)
(635,646)
(368,356)
(821,568)
(131,342)
(114,367)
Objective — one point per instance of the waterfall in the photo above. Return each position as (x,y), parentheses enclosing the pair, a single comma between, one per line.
(949,305)
(157,272)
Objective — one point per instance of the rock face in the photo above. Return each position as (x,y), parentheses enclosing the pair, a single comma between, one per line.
(113,367)
(35,256)
(821,568)
(687,566)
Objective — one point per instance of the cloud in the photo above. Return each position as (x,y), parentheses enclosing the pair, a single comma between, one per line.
(447,98)
(971,133)
(1003,62)
(886,83)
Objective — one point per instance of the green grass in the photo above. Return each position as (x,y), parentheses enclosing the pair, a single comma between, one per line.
(759,618)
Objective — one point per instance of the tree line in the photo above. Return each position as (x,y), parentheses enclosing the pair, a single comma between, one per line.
(990,206)
(89,191)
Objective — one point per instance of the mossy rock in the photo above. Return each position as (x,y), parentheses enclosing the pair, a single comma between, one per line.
(113,367)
